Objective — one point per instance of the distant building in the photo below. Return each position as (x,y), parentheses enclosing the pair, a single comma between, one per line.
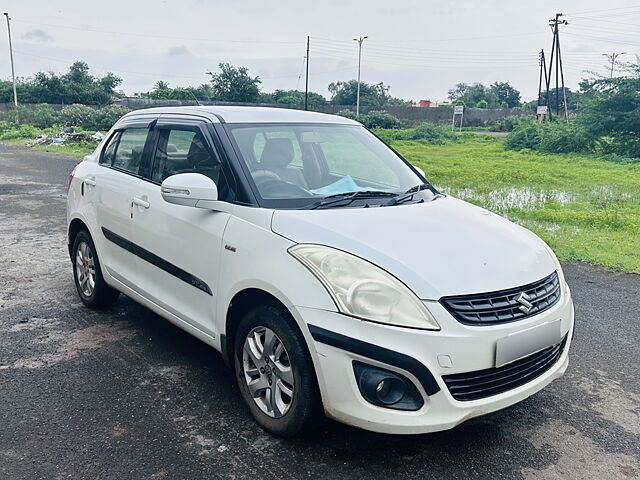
(424,103)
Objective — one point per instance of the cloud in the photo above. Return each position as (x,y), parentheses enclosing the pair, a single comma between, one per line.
(178,51)
(37,36)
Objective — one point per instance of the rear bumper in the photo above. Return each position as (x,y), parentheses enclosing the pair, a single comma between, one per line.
(424,357)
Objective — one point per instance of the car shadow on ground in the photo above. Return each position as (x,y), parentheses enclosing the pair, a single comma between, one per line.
(489,441)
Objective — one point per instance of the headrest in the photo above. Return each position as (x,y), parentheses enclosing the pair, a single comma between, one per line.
(277,153)
(198,153)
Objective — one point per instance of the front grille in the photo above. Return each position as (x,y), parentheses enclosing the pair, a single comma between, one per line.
(502,306)
(492,381)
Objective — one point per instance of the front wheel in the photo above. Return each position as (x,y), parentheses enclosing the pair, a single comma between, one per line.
(91,287)
(275,372)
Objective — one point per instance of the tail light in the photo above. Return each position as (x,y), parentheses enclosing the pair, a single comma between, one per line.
(70,179)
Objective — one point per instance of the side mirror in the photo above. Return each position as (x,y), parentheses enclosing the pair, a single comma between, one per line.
(420,171)
(191,190)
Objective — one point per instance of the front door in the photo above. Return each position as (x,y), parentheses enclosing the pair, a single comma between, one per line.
(179,260)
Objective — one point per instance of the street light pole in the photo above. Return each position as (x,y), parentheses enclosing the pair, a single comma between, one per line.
(613,58)
(359,40)
(13,73)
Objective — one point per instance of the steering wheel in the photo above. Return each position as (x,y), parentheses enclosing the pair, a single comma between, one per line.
(263,176)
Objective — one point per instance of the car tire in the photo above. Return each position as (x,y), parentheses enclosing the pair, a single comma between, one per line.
(87,274)
(302,411)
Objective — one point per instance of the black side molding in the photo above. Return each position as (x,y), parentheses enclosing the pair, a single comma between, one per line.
(153,259)
(375,352)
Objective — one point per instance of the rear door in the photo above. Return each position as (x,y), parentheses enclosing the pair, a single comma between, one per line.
(114,185)
(181,246)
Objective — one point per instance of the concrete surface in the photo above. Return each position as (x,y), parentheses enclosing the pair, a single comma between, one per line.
(124,394)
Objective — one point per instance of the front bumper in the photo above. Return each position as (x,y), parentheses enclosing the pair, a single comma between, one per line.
(456,348)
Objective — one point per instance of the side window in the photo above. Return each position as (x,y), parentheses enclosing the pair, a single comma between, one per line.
(109,153)
(185,151)
(128,154)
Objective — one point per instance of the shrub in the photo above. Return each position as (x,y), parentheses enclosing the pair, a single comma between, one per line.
(43,116)
(482,104)
(376,119)
(550,137)
(77,115)
(507,124)
(348,114)
(23,131)
(431,133)
(524,135)
(104,118)
(564,137)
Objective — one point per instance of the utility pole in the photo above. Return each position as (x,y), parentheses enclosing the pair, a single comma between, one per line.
(543,72)
(359,40)
(13,73)
(613,58)
(555,51)
(306,81)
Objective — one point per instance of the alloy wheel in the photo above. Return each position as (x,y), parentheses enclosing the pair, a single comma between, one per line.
(85,269)
(267,371)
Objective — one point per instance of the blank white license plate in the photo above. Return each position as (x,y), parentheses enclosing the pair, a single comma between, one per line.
(520,344)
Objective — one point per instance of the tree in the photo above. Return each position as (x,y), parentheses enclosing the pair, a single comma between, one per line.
(610,111)
(233,84)
(505,93)
(376,95)
(472,94)
(75,86)
(80,86)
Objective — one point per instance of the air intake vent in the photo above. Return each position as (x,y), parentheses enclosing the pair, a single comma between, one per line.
(492,381)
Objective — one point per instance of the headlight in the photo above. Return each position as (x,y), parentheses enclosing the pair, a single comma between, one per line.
(362,290)
(564,286)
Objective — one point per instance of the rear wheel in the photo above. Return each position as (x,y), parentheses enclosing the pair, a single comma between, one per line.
(275,372)
(90,284)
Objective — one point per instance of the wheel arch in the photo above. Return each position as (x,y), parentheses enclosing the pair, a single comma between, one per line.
(239,305)
(75,226)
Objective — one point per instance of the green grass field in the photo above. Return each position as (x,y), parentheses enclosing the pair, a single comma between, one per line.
(586,208)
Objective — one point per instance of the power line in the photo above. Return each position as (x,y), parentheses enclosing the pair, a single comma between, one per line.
(605,10)
(141,35)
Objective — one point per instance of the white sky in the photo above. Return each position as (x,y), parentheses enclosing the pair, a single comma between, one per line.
(419,47)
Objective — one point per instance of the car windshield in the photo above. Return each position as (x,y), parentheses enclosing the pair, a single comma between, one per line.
(298,165)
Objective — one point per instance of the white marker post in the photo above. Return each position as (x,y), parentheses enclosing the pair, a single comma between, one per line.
(457,110)
(542,112)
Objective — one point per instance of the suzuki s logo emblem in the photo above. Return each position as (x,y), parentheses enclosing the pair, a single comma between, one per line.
(525,304)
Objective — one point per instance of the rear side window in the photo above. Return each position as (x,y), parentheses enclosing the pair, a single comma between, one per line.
(128,153)
(110,151)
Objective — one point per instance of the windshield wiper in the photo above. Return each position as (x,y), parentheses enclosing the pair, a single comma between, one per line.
(408,195)
(348,198)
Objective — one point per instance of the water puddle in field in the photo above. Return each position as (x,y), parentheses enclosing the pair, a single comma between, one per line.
(503,199)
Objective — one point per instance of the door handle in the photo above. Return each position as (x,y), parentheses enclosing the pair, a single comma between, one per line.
(91,183)
(141,203)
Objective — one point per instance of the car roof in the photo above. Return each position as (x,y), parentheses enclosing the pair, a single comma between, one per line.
(240,114)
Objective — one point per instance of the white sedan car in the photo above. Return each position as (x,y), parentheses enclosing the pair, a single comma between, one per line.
(326,269)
